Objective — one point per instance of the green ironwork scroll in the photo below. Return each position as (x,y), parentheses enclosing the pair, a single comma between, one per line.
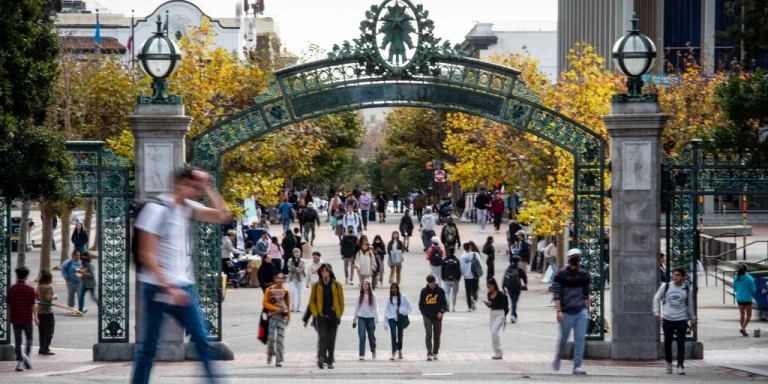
(100,174)
(5,269)
(398,62)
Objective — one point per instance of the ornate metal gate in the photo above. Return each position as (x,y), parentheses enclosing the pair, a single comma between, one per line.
(694,173)
(100,174)
(419,71)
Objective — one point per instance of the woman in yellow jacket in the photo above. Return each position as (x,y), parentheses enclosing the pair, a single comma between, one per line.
(326,302)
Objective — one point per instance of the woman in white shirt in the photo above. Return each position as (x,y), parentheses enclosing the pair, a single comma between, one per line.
(366,316)
(396,313)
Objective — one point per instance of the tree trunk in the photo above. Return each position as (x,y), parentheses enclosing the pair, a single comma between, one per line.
(66,216)
(47,227)
(21,257)
(513,210)
(94,206)
(455,194)
(535,249)
(561,239)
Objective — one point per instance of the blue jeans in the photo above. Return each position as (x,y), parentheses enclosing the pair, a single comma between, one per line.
(366,325)
(426,237)
(81,248)
(397,335)
(81,297)
(53,239)
(286,223)
(395,203)
(188,316)
(513,298)
(578,322)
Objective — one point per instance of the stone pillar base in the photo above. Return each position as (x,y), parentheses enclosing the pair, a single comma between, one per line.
(7,353)
(694,350)
(113,351)
(219,350)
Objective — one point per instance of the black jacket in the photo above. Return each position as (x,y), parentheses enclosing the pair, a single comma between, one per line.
(267,272)
(348,246)
(288,244)
(80,238)
(406,225)
(482,201)
(490,252)
(525,252)
(432,302)
(310,215)
(451,269)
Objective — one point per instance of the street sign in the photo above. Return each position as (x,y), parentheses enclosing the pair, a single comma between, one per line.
(439,176)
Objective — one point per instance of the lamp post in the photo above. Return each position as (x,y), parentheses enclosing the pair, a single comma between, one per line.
(159,57)
(633,55)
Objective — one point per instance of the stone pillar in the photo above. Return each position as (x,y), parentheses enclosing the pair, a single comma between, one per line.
(635,222)
(708,34)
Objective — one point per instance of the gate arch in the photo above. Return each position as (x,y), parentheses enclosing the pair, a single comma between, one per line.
(357,76)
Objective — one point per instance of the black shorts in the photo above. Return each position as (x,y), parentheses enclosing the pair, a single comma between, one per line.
(745,303)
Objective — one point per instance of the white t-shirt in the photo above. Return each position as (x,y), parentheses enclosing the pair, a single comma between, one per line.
(466,264)
(174,248)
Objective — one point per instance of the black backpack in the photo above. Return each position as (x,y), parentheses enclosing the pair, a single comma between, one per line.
(512,279)
(452,269)
(436,258)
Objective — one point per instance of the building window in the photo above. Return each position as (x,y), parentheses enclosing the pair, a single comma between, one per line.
(682,32)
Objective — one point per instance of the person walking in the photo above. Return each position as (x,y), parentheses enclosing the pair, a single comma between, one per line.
(379,250)
(514,227)
(407,200)
(348,252)
(22,316)
(366,317)
(571,297)
(166,265)
(677,309)
(87,275)
(490,257)
(267,272)
(432,305)
(352,219)
(365,207)
(450,234)
(313,269)
(326,302)
(515,279)
(297,273)
(276,301)
(290,241)
(482,204)
(497,210)
(744,287)
(406,229)
(381,206)
(334,203)
(80,238)
(311,218)
(471,270)
(69,272)
(451,276)
(435,256)
(419,203)
(275,252)
(286,210)
(523,249)
(499,305)
(395,250)
(365,263)
(46,321)
(396,312)
(396,199)
(427,227)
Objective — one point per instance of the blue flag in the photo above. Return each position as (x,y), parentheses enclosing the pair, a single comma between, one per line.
(97,37)
(165,26)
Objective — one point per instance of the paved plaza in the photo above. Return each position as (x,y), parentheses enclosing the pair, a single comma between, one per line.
(465,351)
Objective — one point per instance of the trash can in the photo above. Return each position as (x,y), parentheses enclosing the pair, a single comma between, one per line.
(759,299)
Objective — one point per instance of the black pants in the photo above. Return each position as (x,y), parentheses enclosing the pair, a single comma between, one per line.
(364,215)
(45,329)
(434,329)
(17,331)
(326,338)
(470,286)
(491,270)
(419,213)
(497,219)
(670,327)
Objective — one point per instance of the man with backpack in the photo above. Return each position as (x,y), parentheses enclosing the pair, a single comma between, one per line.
(515,280)
(165,268)
(450,234)
(571,297)
(451,274)
(435,255)
(352,219)
(471,269)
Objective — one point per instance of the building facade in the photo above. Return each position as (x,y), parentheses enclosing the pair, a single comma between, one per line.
(677,27)
(239,34)
(538,38)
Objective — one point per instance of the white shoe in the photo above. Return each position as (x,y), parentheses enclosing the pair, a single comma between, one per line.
(393,357)
(361,358)
(27,363)
(85,311)
(669,368)
(429,357)
(373,355)
(20,366)
(434,357)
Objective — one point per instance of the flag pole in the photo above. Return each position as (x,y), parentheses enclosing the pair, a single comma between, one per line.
(133,42)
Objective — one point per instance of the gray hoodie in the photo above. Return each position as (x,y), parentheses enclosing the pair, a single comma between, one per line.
(428,221)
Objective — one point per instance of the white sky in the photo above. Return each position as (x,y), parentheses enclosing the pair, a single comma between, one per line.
(328,22)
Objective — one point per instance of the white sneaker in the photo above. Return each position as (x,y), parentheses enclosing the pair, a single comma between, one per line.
(361,358)
(434,357)
(373,355)
(669,368)
(27,362)
(85,311)
(20,366)
(429,357)
(393,357)
(680,371)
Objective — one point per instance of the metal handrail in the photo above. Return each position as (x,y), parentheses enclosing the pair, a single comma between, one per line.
(717,258)
(742,247)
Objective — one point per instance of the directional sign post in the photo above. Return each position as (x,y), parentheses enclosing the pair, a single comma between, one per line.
(439,176)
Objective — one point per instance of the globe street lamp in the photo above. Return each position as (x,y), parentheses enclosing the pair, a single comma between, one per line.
(634,54)
(159,57)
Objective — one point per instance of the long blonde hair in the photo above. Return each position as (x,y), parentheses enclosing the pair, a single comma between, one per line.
(363,292)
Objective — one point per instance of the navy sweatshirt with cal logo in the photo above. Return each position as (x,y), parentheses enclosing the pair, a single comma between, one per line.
(432,302)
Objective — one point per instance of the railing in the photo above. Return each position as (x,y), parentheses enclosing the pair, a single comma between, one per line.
(715,258)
